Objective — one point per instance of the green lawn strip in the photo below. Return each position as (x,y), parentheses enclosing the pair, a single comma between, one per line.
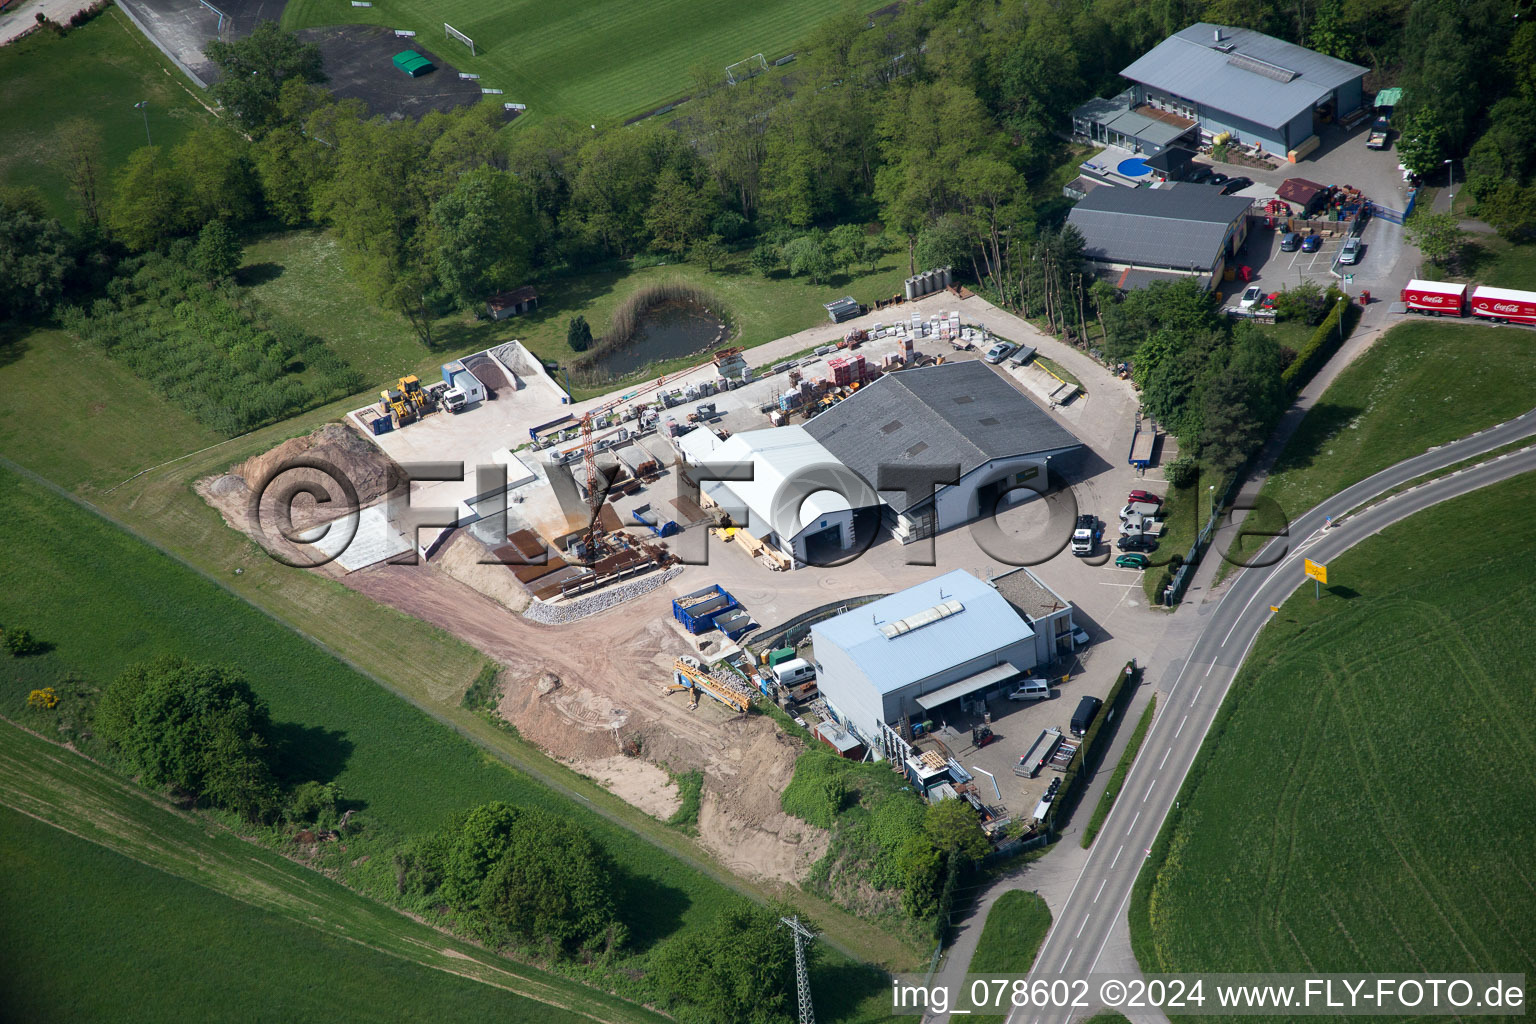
(431,670)
(1186,510)
(1117,779)
(166,890)
(98,72)
(1419,385)
(1456,467)
(1058,371)
(299,276)
(1363,798)
(587,59)
(1016,926)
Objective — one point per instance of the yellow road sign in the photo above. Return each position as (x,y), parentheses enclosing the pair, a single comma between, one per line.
(1317,571)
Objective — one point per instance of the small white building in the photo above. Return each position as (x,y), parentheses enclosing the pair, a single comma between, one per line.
(909,654)
(777,506)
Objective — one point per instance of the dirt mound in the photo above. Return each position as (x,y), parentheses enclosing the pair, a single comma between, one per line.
(462,559)
(228,486)
(370,471)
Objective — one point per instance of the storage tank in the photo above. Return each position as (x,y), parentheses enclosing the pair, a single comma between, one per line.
(948,278)
(911,288)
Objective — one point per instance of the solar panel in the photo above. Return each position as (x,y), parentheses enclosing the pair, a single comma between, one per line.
(1261,67)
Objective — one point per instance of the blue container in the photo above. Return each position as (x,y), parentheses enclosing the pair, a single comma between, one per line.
(382,425)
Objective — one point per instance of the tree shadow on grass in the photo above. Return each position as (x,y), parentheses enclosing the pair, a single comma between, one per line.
(307,753)
(253,274)
(1474,256)
(13,342)
(652,910)
(840,989)
(1321,423)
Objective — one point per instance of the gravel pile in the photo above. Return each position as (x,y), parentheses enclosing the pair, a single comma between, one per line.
(560,614)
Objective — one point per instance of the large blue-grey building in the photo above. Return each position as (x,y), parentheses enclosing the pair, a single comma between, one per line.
(953,637)
(1264,91)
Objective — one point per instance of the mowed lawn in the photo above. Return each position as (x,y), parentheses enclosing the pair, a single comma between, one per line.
(299,276)
(590,59)
(1016,925)
(98,72)
(1421,384)
(1364,800)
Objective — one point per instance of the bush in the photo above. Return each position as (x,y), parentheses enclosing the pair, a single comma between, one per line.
(45,699)
(578,334)
(818,789)
(690,790)
(20,642)
(484,691)
(1323,343)
(1182,472)
(314,803)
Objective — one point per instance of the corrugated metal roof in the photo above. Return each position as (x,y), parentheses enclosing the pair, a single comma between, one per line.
(1181,227)
(776,454)
(937,416)
(988,623)
(1258,77)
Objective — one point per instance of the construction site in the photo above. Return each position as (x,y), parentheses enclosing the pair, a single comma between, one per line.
(639,616)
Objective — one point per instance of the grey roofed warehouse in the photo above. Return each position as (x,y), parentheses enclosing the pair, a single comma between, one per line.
(1189,229)
(955,414)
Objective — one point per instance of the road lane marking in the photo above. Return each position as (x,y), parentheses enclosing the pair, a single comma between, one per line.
(1117,858)
(1149,790)
(1181,726)
(1197,692)
(1118,912)
(1102,884)
(1081,927)
(1208,670)
(1165,758)
(1133,823)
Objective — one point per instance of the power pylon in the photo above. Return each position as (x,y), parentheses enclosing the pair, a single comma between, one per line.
(803,936)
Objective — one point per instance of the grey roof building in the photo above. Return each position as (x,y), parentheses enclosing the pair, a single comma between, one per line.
(1261,89)
(1179,229)
(956,414)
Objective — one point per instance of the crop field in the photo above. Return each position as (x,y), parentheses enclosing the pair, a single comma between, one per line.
(110,895)
(405,770)
(1421,384)
(588,59)
(1363,801)
(98,71)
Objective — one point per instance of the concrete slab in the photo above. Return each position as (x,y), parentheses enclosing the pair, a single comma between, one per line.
(376,539)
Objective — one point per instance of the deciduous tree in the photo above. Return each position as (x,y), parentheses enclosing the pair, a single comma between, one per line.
(253,70)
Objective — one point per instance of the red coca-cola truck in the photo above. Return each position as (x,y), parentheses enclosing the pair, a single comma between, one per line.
(1437,298)
(1504,305)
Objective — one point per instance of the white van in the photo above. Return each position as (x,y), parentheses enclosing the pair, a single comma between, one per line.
(1031,689)
(793,672)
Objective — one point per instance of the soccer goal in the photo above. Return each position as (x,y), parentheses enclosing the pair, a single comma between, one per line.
(454,33)
(745,69)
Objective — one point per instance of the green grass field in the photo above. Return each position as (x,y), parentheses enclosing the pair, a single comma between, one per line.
(1421,384)
(1117,779)
(299,276)
(1363,801)
(1016,926)
(588,59)
(98,71)
(104,928)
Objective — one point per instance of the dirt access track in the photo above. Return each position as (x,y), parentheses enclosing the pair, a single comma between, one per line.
(582,692)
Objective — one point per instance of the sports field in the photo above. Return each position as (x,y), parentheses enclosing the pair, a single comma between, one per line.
(98,72)
(590,59)
(1363,802)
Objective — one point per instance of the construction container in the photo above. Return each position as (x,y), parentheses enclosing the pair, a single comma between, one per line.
(697,611)
(773,657)
(734,622)
(382,425)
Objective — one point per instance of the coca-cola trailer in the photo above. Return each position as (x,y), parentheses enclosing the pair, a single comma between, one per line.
(1436,298)
(1504,305)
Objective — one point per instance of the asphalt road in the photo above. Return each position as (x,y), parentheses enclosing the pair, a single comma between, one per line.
(1096,906)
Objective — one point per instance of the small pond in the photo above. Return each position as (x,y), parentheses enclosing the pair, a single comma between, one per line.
(667,330)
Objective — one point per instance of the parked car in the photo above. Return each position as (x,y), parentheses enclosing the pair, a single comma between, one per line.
(1132,561)
(1140,508)
(1217,178)
(1145,496)
(1251,297)
(1350,254)
(1082,718)
(1031,689)
(1290,242)
(1235,185)
(1197,173)
(1312,243)
(997,353)
(1079,637)
(1136,542)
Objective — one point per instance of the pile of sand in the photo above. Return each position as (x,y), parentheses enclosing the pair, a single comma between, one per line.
(346,452)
